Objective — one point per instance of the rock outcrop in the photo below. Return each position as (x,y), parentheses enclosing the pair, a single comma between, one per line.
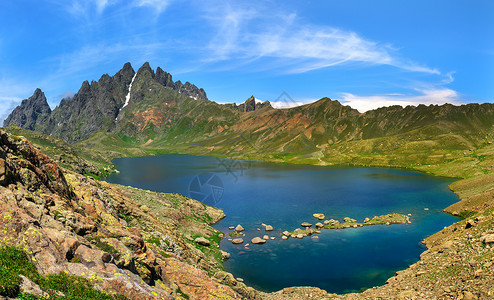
(70,223)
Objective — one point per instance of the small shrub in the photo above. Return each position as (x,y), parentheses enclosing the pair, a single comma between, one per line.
(9,283)
(154,240)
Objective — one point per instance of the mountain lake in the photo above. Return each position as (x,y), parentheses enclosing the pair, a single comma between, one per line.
(285,195)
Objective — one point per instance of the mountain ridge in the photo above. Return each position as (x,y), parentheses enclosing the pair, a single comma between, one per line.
(156,115)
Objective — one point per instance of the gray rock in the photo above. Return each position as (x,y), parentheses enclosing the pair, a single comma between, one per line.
(487,239)
(27,286)
(202,241)
(257,240)
(225,255)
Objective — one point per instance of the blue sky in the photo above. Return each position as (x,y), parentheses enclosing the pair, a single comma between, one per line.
(364,53)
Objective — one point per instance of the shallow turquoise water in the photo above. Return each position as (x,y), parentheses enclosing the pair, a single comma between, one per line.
(283,195)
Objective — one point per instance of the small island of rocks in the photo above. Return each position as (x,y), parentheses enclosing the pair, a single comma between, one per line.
(323,224)
(347,223)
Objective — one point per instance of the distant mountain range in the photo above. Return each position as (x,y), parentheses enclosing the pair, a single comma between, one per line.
(148,109)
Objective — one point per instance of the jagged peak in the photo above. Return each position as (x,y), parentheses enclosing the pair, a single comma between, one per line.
(127,67)
(164,78)
(38,92)
(145,68)
(26,114)
(38,98)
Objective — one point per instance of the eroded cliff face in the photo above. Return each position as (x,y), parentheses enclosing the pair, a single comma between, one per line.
(70,223)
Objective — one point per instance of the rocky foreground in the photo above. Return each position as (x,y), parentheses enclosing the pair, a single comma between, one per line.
(70,223)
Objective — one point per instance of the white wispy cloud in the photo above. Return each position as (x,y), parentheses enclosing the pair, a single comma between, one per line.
(13,90)
(425,96)
(158,5)
(90,56)
(84,8)
(6,107)
(281,104)
(246,34)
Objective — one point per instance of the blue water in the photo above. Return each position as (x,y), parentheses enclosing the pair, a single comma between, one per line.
(284,195)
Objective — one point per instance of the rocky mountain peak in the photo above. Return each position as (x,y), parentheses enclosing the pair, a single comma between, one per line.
(250,104)
(164,78)
(144,69)
(27,114)
(125,74)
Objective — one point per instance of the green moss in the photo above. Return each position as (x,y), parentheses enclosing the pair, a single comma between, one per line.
(467,214)
(234,234)
(56,214)
(89,174)
(72,287)
(182,294)
(102,245)
(154,240)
